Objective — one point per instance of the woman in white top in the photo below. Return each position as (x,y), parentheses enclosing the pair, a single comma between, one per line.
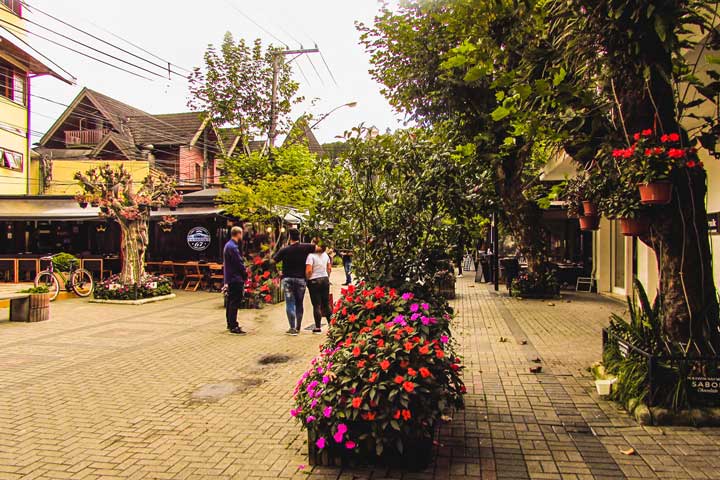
(317,271)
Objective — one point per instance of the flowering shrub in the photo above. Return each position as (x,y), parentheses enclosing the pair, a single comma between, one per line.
(652,158)
(263,283)
(385,375)
(535,284)
(150,286)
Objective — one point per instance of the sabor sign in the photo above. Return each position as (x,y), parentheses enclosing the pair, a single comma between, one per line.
(198,238)
(705,384)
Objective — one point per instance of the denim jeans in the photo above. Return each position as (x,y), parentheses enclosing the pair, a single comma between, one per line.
(347,264)
(294,289)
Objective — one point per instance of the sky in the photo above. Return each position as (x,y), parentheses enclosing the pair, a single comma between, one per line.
(179,31)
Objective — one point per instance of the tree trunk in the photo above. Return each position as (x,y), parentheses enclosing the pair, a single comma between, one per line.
(134,240)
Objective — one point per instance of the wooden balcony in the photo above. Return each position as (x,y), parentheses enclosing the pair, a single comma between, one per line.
(85,137)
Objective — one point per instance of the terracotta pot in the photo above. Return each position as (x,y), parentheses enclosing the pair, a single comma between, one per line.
(589,208)
(589,223)
(659,193)
(633,227)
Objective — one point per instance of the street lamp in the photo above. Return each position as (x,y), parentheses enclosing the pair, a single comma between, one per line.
(349,104)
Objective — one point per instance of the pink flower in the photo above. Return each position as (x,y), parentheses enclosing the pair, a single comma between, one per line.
(414,307)
(349,444)
(301,467)
(342,428)
(314,403)
(426,306)
(310,418)
(294,412)
(407,296)
(444,339)
(327,412)
(326,379)
(320,443)
(338,437)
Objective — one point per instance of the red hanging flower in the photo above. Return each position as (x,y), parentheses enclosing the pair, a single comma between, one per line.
(409,387)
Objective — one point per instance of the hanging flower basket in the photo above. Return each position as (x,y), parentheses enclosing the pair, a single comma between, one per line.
(590,208)
(589,223)
(634,227)
(656,193)
(154,208)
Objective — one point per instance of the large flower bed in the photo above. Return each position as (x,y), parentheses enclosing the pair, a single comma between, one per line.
(263,284)
(384,377)
(150,286)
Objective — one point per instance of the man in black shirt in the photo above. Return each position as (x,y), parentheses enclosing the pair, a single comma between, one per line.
(235,275)
(293,259)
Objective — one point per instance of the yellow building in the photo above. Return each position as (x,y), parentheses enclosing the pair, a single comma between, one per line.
(17,66)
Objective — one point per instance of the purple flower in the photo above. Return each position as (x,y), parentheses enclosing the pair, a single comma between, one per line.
(338,437)
(327,412)
(414,307)
(349,444)
(426,306)
(320,443)
(342,428)
(294,412)
(425,320)
(399,319)
(326,379)
(407,296)
(314,403)
(310,418)
(415,316)
(444,339)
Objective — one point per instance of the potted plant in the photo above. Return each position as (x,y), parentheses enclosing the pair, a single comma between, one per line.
(174,201)
(155,206)
(143,202)
(581,195)
(624,205)
(39,303)
(167,222)
(94,201)
(82,200)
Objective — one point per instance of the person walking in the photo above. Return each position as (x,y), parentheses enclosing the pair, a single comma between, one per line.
(318,267)
(346,257)
(293,258)
(234,278)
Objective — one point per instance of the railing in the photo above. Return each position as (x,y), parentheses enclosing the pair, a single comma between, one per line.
(85,137)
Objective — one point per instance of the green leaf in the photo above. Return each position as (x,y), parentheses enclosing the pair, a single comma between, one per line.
(474,74)
(559,77)
(499,113)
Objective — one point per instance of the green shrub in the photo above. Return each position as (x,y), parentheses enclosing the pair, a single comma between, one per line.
(63,262)
(36,290)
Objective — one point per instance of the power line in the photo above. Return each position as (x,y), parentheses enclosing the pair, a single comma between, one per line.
(43,56)
(316,70)
(237,9)
(322,57)
(96,38)
(73,50)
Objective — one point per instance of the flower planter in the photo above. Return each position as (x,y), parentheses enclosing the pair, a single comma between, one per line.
(154,208)
(172,209)
(589,223)
(589,208)
(634,227)
(39,307)
(83,204)
(416,455)
(659,193)
(94,204)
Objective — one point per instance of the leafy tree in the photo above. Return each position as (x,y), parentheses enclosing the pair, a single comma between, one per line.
(113,189)
(395,199)
(235,87)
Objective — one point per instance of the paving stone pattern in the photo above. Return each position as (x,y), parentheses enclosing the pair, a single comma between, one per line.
(161,391)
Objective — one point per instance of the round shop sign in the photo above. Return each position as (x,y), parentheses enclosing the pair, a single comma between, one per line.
(198,238)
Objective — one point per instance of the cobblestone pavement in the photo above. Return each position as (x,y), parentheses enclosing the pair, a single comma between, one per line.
(161,391)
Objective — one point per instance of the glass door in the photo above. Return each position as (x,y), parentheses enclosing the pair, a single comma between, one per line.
(620,256)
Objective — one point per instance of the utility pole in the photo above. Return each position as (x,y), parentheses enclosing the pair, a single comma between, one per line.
(277,60)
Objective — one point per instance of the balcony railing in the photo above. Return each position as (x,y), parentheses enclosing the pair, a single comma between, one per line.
(85,137)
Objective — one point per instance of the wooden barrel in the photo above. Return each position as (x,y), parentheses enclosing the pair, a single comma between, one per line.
(39,307)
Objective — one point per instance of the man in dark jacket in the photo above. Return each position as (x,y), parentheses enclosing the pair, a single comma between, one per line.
(235,275)
(293,258)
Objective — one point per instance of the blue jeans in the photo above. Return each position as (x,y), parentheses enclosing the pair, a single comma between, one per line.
(294,289)
(347,264)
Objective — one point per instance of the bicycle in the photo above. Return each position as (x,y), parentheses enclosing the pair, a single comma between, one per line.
(80,281)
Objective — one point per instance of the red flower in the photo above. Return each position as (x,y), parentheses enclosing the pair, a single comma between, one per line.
(356,402)
(399,379)
(361,364)
(352,318)
(397,414)
(674,137)
(257,261)
(455,367)
(384,364)
(369,304)
(676,153)
(406,415)
(266,274)
(381,343)
(369,416)
(409,346)
(647,132)
(373,377)
(648,152)
(424,372)
(356,352)
(424,350)
(636,136)
(411,372)
(409,387)
(377,332)
(268,298)
(691,164)
(439,353)
(404,363)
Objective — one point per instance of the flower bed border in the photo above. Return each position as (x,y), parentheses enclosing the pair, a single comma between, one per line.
(139,301)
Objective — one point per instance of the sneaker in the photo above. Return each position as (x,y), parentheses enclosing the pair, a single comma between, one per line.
(295,332)
(460,275)
(237,331)
(317,331)
(290,331)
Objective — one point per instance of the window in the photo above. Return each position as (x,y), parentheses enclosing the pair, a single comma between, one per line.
(11,160)
(14,6)
(12,83)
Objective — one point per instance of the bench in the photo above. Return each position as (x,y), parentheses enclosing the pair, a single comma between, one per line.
(19,306)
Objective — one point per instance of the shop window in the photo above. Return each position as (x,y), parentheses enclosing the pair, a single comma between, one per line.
(12,83)
(11,160)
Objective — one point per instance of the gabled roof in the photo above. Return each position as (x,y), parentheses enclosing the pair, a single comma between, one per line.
(25,55)
(303,134)
(123,144)
(166,129)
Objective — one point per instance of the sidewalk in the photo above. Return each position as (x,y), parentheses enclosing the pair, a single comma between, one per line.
(161,391)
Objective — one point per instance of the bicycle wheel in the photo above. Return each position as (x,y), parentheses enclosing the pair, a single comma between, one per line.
(47,279)
(82,282)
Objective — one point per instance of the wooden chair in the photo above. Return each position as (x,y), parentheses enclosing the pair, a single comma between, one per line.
(167,269)
(216,276)
(193,276)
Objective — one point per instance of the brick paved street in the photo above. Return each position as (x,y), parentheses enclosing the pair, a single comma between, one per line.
(161,391)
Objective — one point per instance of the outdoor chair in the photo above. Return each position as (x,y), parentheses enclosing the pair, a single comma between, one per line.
(193,276)
(216,276)
(167,270)
(587,284)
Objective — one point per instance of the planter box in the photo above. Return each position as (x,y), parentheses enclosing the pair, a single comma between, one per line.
(417,454)
(39,307)
(659,193)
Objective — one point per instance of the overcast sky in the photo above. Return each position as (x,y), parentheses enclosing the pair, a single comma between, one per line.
(180,30)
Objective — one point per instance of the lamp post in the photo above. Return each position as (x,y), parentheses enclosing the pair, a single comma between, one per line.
(349,104)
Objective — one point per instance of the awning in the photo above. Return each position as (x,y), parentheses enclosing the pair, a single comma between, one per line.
(20,50)
(57,209)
